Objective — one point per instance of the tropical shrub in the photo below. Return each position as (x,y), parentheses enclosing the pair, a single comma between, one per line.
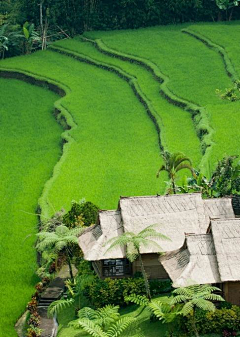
(219,321)
(113,291)
(81,213)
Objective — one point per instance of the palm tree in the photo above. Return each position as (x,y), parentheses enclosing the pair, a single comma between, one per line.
(174,162)
(196,296)
(61,240)
(105,322)
(134,242)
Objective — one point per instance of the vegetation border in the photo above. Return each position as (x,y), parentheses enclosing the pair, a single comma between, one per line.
(199,114)
(63,117)
(231,72)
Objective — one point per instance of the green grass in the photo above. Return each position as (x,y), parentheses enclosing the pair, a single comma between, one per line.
(29,149)
(170,115)
(194,71)
(115,145)
(149,329)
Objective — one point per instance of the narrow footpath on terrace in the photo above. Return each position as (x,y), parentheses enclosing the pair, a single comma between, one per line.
(52,293)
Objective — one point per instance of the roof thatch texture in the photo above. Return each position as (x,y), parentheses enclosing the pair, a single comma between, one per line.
(174,215)
(194,263)
(226,236)
(219,208)
(93,239)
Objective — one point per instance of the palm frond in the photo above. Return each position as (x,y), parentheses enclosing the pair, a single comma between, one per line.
(179,299)
(57,306)
(162,168)
(184,166)
(121,241)
(87,313)
(76,231)
(91,328)
(137,299)
(203,304)
(45,244)
(213,297)
(62,230)
(107,315)
(187,308)
(121,325)
(60,245)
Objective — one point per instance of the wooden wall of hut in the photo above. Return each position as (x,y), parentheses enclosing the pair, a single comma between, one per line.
(153,267)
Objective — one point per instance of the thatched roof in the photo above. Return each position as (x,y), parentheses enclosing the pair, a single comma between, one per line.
(219,208)
(193,263)
(93,240)
(226,236)
(175,215)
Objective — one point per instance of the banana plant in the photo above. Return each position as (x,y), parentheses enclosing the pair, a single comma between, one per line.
(31,37)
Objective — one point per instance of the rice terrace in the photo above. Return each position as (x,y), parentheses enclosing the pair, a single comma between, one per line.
(90,118)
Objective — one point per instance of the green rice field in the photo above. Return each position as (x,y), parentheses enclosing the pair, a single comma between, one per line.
(128,95)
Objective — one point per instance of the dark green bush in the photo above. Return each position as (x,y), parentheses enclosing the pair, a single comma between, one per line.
(113,291)
(214,322)
(81,213)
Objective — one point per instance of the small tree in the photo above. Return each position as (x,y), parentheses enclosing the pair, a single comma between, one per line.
(174,162)
(134,242)
(196,296)
(61,240)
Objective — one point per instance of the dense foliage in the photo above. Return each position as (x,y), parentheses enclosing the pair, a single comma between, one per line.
(78,15)
(219,321)
(84,212)
(113,291)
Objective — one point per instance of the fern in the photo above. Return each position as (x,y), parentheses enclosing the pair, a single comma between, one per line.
(92,328)
(133,242)
(87,313)
(120,326)
(57,306)
(137,299)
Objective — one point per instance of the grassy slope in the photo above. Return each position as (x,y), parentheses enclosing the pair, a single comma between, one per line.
(225,118)
(115,151)
(29,149)
(171,115)
(194,70)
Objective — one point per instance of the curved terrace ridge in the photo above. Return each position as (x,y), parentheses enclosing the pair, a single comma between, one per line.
(199,114)
(131,80)
(61,114)
(228,65)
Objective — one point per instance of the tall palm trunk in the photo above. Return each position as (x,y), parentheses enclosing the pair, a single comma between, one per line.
(146,283)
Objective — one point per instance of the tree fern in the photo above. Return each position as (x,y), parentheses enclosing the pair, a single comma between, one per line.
(57,306)
(120,326)
(196,296)
(133,243)
(105,322)
(60,240)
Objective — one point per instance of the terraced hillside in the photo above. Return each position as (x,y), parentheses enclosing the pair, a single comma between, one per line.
(126,95)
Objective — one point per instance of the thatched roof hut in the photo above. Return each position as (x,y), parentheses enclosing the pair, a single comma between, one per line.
(174,215)
(207,258)
(195,262)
